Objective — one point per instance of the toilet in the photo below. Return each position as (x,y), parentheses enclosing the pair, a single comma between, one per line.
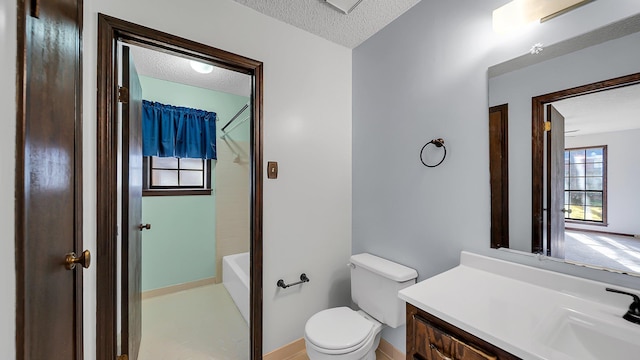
(346,334)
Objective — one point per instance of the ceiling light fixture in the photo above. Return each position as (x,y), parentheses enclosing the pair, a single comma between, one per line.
(520,13)
(346,6)
(202,68)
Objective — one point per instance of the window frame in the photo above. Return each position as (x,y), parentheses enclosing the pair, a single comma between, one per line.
(150,190)
(604,190)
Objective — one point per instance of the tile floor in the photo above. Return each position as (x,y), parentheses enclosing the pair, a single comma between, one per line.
(610,251)
(196,324)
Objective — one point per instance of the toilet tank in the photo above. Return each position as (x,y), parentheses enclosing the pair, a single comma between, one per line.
(375,283)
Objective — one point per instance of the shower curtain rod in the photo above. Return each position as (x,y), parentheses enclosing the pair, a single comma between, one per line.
(236,116)
(224,134)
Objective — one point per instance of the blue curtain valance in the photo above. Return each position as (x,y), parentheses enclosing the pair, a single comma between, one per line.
(173,131)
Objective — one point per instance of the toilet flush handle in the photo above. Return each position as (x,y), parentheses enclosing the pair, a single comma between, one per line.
(351,265)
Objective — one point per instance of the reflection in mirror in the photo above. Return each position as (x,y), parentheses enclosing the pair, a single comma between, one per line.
(571,191)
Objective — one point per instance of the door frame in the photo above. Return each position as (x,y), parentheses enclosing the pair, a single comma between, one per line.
(110,30)
(538,104)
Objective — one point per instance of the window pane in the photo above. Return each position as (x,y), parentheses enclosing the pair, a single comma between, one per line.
(577,170)
(191,178)
(577,156)
(566,157)
(164,178)
(576,198)
(164,162)
(577,212)
(593,213)
(567,183)
(594,183)
(594,155)
(577,183)
(594,198)
(594,169)
(191,164)
(566,170)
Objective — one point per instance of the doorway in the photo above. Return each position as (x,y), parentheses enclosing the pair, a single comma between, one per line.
(597,136)
(111,31)
(197,209)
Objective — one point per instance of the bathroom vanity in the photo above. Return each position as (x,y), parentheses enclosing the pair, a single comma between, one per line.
(488,308)
(432,338)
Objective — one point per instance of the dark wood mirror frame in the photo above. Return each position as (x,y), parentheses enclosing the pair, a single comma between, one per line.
(110,31)
(538,153)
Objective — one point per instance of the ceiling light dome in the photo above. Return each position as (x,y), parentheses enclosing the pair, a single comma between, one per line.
(202,68)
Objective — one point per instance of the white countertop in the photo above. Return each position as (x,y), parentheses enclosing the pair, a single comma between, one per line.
(512,306)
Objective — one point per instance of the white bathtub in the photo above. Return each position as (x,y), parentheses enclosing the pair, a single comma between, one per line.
(235,277)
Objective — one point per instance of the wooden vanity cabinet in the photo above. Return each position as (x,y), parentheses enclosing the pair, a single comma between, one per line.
(430,338)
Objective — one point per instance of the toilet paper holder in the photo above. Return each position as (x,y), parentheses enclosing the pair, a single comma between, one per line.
(303,279)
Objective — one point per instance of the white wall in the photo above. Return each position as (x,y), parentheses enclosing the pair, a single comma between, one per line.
(7,178)
(623,172)
(422,77)
(307,119)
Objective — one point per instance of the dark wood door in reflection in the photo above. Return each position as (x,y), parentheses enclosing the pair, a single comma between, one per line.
(555,184)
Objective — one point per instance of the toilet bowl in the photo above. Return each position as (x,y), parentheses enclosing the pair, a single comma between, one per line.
(342,333)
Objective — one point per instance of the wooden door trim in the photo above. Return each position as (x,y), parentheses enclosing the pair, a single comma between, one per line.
(110,30)
(537,144)
(24,10)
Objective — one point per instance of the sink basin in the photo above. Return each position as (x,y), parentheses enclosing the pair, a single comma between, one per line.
(571,334)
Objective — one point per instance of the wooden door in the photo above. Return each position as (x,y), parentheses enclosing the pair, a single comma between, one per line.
(555,184)
(48,181)
(132,207)
(499,170)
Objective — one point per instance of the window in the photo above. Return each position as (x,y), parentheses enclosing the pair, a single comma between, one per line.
(173,176)
(585,184)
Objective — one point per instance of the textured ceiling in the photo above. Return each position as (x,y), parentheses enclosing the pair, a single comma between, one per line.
(604,111)
(172,68)
(322,19)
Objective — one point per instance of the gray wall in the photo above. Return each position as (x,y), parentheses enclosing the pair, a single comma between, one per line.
(422,77)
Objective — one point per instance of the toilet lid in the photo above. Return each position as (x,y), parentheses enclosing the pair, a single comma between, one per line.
(337,328)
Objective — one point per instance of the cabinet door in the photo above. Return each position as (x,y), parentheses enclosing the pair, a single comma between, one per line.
(436,344)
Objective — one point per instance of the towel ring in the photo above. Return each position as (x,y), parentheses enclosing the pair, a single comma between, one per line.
(438,143)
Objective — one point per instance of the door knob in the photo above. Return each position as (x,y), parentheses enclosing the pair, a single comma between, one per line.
(144,226)
(72,259)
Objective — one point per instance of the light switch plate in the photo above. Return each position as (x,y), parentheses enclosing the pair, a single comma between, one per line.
(272,169)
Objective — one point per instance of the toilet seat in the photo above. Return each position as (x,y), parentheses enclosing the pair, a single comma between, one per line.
(339,331)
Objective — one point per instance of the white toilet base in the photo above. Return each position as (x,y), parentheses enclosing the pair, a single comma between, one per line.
(364,353)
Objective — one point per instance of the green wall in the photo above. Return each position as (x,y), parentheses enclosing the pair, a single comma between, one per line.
(181,247)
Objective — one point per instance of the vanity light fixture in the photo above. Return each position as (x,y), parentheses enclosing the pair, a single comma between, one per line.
(520,13)
(346,6)
(202,68)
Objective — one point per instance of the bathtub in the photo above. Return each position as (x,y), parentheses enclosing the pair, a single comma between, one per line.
(235,277)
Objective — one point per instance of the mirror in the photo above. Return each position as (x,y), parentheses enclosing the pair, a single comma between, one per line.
(590,220)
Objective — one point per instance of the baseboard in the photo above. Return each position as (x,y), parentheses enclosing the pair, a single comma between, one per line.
(390,351)
(297,349)
(287,352)
(175,288)
(599,231)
